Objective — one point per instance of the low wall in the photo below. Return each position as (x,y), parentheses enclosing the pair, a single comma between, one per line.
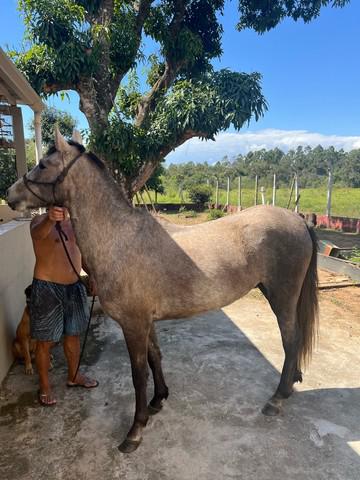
(17,265)
(345,224)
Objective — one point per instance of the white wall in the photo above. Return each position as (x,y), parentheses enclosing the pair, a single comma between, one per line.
(6,214)
(17,262)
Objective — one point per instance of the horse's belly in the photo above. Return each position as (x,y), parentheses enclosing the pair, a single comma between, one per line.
(216,296)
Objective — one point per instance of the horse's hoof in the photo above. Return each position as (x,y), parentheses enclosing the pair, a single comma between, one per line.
(154,410)
(270,410)
(128,445)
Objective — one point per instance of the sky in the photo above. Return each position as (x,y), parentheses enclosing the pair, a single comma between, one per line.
(311,78)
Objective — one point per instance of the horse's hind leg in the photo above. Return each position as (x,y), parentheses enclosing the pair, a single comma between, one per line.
(161,391)
(285,311)
(137,343)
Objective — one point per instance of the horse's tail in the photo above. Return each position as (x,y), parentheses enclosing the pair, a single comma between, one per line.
(307,307)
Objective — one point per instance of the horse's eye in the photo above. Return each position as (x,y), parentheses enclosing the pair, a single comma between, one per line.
(41,165)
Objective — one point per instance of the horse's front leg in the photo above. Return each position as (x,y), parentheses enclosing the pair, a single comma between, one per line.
(137,344)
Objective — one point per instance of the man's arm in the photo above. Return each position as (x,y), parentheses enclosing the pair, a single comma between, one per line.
(42,225)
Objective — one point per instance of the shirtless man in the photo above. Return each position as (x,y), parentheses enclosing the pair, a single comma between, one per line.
(58,301)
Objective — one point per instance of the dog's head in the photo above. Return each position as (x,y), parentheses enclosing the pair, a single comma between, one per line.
(28,293)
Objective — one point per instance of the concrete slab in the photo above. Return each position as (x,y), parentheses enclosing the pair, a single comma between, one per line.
(220,368)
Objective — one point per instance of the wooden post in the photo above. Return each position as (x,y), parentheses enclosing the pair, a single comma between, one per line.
(228,192)
(143,201)
(297,196)
(38,138)
(256,190)
(329,193)
(262,191)
(19,141)
(149,197)
(291,191)
(217,194)
(274,191)
(239,194)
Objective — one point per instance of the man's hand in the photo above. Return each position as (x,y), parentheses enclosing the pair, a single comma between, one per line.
(56,214)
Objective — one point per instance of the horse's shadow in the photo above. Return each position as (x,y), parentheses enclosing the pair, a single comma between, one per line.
(219,381)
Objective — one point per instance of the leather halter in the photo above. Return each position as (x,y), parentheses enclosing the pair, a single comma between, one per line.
(59,179)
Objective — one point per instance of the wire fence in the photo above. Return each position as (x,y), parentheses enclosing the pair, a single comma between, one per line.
(243,192)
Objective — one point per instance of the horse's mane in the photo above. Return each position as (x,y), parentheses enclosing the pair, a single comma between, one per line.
(81,149)
(96,160)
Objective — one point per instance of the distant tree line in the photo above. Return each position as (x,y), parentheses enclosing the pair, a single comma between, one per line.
(312,166)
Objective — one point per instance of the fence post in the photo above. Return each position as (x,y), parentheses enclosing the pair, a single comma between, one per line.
(291,192)
(239,194)
(256,190)
(228,192)
(262,191)
(274,191)
(297,195)
(150,199)
(329,192)
(217,194)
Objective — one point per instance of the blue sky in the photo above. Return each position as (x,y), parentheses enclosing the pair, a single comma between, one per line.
(311,78)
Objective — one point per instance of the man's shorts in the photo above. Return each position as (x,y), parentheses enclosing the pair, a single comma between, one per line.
(57,309)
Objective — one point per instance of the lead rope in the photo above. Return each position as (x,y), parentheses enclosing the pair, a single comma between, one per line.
(63,235)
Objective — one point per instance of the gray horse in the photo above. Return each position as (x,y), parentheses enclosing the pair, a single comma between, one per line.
(148,270)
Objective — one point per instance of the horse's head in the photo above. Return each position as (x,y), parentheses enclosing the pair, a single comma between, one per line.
(44,185)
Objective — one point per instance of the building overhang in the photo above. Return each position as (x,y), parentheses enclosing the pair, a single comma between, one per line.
(14,88)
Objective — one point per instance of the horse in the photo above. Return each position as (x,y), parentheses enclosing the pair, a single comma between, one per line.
(147,269)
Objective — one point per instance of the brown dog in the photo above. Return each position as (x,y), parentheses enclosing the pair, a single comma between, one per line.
(23,346)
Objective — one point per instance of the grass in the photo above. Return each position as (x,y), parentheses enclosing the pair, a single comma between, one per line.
(345,201)
(355,257)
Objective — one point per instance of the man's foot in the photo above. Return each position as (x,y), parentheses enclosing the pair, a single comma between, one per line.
(46,399)
(83,381)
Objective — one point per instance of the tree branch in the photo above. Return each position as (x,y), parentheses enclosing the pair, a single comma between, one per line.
(146,104)
(150,165)
(143,9)
(51,88)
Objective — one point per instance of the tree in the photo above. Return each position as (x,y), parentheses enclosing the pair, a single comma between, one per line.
(93,46)
(200,194)
(8,173)
(155,182)
(50,117)
(350,171)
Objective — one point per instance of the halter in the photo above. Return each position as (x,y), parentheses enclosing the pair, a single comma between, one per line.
(59,179)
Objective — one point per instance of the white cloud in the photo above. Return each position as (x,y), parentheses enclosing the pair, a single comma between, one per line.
(231,144)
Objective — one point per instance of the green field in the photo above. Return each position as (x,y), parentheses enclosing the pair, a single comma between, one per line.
(345,201)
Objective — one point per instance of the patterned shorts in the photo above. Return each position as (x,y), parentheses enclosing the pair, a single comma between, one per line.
(57,309)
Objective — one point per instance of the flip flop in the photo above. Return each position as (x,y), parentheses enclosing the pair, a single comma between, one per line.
(42,398)
(88,384)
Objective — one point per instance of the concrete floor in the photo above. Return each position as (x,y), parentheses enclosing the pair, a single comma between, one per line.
(220,368)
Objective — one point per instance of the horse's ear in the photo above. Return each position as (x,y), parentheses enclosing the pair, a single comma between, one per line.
(76,136)
(60,142)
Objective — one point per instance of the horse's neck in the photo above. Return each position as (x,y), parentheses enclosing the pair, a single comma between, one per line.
(97,206)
